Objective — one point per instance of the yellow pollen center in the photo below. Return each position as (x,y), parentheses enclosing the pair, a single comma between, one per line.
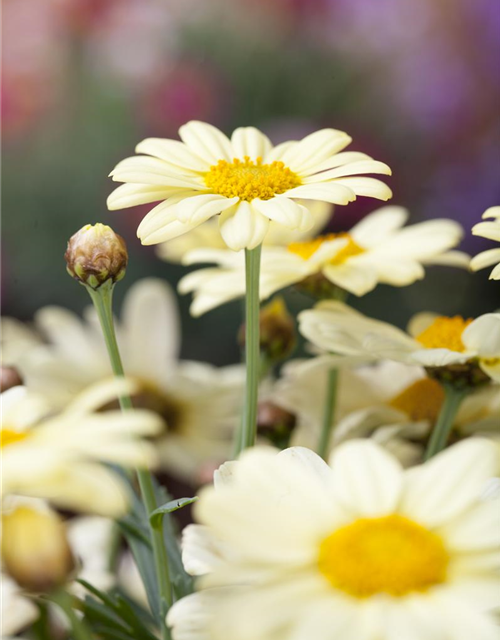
(422,400)
(308,248)
(445,333)
(246,179)
(391,555)
(9,436)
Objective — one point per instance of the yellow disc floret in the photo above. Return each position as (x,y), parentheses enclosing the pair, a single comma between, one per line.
(9,436)
(391,555)
(445,333)
(246,179)
(308,248)
(422,400)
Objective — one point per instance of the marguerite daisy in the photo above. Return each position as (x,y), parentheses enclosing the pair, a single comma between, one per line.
(244,179)
(376,250)
(293,548)
(490,230)
(472,347)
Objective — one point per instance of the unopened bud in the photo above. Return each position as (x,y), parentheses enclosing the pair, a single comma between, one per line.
(277,331)
(96,254)
(317,286)
(9,377)
(275,423)
(35,549)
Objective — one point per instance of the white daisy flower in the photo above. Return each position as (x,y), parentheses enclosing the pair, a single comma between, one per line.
(434,341)
(394,404)
(490,230)
(59,457)
(200,403)
(17,611)
(244,179)
(207,236)
(295,548)
(376,250)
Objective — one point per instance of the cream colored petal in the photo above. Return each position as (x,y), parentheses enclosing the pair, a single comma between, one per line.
(463,622)
(351,169)
(189,617)
(398,272)
(352,278)
(377,226)
(201,551)
(439,357)
(286,212)
(169,231)
(411,618)
(202,207)
(458,259)
(450,483)
(330,192)
(164,213)
(485,259)
(243,227)
(131,195)
(482,336)
(490,230)
(423,240)
(314,149)
(146,170)
(491,367)
(18,612)
(276,153)
(97,395)
(492,212)
(420,322)
(223,257)
(249,141)
(310,462)
(340,159)
(370,187)
(173,152)
(495,274)
(367,480)
(478,529)
(330,618)
(206,141)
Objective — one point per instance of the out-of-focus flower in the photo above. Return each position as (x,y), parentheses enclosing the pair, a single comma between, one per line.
(456,349)
(207,236)
(200,403)
(394,404)
(376,250)
(246,180)
(375,551)
(490,230)
(9,377)
(17,611)
(59,457)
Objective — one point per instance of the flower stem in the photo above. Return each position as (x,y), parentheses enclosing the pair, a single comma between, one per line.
(328,412)
(439,437)
(248,429)
(102,299)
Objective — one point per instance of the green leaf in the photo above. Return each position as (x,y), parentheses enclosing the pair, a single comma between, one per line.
(156,517)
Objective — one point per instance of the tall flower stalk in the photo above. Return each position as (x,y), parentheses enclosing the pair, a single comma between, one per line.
(439,437)
(328,412)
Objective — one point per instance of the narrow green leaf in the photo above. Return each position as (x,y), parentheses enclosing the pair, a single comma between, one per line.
(157,516)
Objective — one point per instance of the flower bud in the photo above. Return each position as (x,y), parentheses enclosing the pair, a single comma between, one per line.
(9,377)
(275,423)
(277,331)
(35,548)
(96,254)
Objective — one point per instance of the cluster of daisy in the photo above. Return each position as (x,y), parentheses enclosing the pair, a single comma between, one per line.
(350,494)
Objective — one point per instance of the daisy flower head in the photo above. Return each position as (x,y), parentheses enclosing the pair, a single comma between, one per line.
(60,456)
(454,349)
(292,548)
(376,250)
(490,230)
(244,179)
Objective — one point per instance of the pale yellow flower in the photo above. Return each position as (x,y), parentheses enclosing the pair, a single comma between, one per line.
(490,230)
(244,179)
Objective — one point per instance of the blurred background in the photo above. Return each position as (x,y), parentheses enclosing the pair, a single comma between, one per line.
(416,83)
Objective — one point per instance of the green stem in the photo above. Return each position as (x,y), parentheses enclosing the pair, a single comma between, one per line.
(102,299)
(248,429)
(78,626)
(328,412)
(441,432)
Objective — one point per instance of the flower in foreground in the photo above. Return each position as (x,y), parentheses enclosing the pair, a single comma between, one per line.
(376,250)
(457,346)
(244,179)
(293,548)
(60,457)
(199,403)
(490,230)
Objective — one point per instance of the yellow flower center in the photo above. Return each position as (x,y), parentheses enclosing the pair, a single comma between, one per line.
(308,248)
(9,436)
(422,400)
(391,555)
(445,333)
(246,179)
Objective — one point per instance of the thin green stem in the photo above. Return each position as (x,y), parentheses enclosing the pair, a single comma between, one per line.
(328,412)
(102,299)
(78,626)
(439,437)
(248,429)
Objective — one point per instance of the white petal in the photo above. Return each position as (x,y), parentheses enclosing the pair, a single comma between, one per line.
(171,230)
(173,152)
(478,529)
(351,169)
(315,149)
(200,208)
(352,278)
(367,480)
(146,170)
(495,274)
(423,240)
(201,551)
(249,141)
(483,336)
(485,259)
(206,141)
(243,227)
(339,159)
(492,212)
(332,192)
(310,462)
(490,230)
(276,153)
(286,212)
(420,322)
(131,195)
(450,483)
(375,227)
(370,187)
